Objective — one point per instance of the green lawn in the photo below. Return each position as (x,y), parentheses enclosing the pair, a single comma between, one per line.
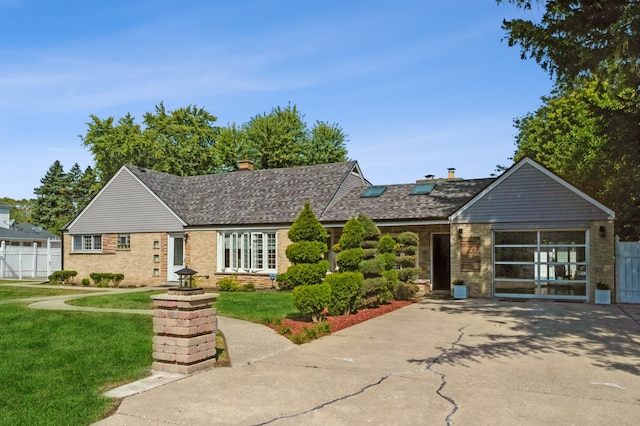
(56,363)
(135,300)
(263,306)
(7,293)
(260,306)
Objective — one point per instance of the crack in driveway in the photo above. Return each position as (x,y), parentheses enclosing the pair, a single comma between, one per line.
(325,404)
(443,377)
(429,368)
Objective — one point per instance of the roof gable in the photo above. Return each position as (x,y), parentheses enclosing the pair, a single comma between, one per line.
(126,204)
(528,192)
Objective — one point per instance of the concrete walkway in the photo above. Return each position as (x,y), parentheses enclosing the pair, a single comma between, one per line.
(470,362)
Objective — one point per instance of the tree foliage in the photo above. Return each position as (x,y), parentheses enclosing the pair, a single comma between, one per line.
(61,196)
(187,142)
(588,130)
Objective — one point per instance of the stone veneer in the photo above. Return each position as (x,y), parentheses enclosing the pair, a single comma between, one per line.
(185,329)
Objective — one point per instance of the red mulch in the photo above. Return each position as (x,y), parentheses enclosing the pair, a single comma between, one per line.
(343,321)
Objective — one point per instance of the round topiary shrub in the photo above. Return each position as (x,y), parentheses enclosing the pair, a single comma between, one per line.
(345,288)
(312,300)
(307,273)
(349,260)
(306,251)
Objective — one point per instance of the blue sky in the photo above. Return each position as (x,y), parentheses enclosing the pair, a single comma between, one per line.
(418,86)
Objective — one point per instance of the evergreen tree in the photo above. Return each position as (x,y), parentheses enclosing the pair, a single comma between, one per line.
(52,207)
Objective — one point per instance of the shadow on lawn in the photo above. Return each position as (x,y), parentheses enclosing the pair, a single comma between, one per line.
(603,333)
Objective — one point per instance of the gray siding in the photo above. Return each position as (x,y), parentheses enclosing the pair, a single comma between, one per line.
(126,206)
(528,195)
(351,182)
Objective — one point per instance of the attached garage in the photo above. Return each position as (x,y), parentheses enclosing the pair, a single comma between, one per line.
(534,236)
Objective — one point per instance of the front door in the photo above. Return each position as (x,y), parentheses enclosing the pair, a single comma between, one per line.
(175,256)
(440,262)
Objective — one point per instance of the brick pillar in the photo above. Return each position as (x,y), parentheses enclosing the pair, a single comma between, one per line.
(185,329)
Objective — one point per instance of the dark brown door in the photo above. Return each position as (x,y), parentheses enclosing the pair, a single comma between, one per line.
(440,262)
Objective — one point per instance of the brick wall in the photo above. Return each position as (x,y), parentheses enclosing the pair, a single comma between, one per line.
(137,263)
(479,281)
(602,256)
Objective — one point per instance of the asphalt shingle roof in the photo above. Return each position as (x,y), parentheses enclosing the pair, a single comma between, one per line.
(396,203)
(276,196)
(247,197)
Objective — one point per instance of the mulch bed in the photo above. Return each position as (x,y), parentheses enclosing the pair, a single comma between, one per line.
(341,322)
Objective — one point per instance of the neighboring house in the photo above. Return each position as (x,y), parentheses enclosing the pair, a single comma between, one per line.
(15,234)
(26,250)
(524,234)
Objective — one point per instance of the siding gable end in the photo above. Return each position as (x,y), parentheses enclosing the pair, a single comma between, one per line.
(530,193)
(125,205)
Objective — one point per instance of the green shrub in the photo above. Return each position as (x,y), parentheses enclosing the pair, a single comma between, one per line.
(408,239)
(388,260)
(312,300)
(249,287)
(371,292)
(370,253)
(345,288)
(404,291)
(86,282)
(104,279)
(386,245)
(372,267)
(408,274)
(352,235)
(371,230)
(62,277)
(408,250)
(349,260)
(230,283)
(283,281)
(306,273)
(306,251)
(406,261)
(307,227)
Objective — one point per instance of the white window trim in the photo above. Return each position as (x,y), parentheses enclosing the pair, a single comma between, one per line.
(82,249)
(243,241)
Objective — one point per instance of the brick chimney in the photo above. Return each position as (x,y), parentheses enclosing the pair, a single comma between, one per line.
(245,165)
(452,172)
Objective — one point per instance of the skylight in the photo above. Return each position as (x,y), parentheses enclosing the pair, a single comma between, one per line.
(422,188)
(373,191)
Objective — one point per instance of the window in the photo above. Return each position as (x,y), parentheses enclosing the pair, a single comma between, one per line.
(124,242)
(247,252)
(373,191)
(422,188)
(541,263)
(87,243)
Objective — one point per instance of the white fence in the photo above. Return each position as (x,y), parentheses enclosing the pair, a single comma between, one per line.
(29,263)
(628,272)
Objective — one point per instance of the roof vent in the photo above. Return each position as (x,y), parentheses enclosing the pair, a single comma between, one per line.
(429,177)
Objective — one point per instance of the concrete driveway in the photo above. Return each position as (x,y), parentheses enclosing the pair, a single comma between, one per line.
(437,362)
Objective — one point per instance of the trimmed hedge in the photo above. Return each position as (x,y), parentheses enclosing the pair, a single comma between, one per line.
(345,288)
(406,261)
(312,300)
(62,277)
(405,291)
(386,244)
(104,279)
(307,227)
(229,284)
(352,235)
(408,239)
(408,274)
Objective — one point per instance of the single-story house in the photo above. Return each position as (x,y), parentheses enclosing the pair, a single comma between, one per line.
(524,234)
(16,234)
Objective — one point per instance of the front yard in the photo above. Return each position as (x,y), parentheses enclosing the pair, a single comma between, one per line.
(56,363)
